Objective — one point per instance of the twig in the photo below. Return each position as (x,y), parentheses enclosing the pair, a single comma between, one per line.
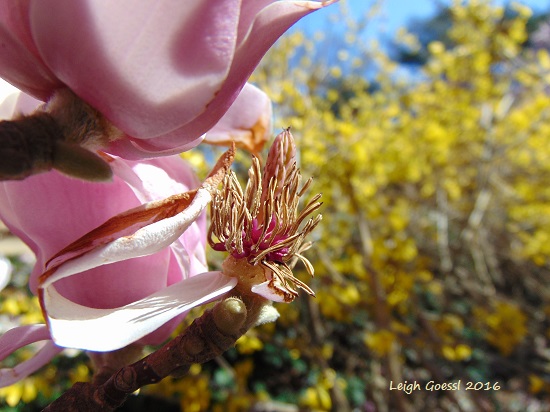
(442,221)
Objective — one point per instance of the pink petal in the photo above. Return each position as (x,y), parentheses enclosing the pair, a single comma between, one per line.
(267,291)
(31,209)
(48,210)
(120,283)
(77,326)
(157,178)
(163,61)
(247,122)
(16,104)
(66,317)
(145,241)
(162,73)
(33,213)
(170,176)
(20,62)
(21,336)
(168,144)
(267,26)
(6,269)
(138,232)
(9,376)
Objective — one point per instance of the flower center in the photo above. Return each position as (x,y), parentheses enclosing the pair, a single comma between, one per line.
(262,225)
(258,240)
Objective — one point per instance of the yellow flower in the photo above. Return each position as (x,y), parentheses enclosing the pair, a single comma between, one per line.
(380,342)
(248,344)
(506,326)
(317,399)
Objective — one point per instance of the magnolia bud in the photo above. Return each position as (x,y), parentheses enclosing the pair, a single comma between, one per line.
(63,134)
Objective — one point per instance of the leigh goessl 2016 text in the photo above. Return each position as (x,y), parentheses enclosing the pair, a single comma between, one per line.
(410,387)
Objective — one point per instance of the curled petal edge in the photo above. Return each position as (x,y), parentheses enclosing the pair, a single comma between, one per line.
(265,290)
(76,326)
(145,241)
(21,336)
(139,232)
(247,123)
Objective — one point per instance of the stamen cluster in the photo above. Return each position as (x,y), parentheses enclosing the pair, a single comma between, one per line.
(262,226)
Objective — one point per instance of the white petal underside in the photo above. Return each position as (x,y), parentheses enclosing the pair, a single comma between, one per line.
(76,326)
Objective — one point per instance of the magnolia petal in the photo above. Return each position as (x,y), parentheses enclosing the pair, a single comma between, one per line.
(21,336)
(154,231)
(258,32)
(18,104)
(124,224)
(19,65)
(162,78)
(5,272)
(134,149)
(145,241)
(247,123)
(77,326)
(267,291)
(163,98)
(156,178)
(9,376)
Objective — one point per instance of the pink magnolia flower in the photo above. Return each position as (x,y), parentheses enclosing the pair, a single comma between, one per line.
(103,308)
(162,72)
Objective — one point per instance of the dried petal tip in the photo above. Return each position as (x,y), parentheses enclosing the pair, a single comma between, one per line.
(261,227)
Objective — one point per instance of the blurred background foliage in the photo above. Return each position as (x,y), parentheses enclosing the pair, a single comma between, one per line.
(433,258)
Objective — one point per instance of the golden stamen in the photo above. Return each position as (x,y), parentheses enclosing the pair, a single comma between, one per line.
(262,224)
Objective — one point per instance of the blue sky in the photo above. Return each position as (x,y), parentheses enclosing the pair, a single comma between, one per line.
(396,13)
